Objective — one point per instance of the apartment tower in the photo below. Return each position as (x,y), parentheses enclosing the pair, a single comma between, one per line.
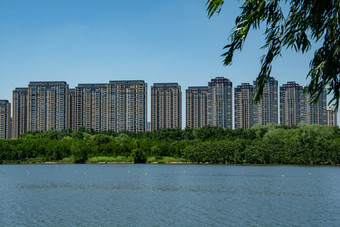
(166,106)
(331,117)
(72,109)
(19,120)
(5,119)
(220,102)
(315,113)
(197,107)
(91,106)
(47,106)
(244,106)
(127,105)
(291,103)
(266,111)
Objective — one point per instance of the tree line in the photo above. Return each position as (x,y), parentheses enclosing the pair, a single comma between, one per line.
(270,144)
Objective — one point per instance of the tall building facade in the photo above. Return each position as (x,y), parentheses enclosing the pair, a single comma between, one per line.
(47,106)
(19,118)
(314,113)
(331,117)
(127,105)
(220,102)
(266,111)
(91,106)
(166,106)
(244,106)
(197,107)
(291,103)
(5,119)
(72,109)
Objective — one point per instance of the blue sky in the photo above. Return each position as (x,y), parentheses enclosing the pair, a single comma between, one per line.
(91,41)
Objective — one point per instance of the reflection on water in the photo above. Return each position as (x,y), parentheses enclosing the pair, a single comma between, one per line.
(169,195)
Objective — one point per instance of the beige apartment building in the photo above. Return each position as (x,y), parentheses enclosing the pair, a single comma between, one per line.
(220,102)
(19,119)
(5,119)
(47,106)
(291,103)
(331,117)
(196,107)
(91,106)
(314,113)
(127,105)
(266,111)
(244,106)
(166,106)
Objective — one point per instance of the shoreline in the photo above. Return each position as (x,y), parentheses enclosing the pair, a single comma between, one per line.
(163,163)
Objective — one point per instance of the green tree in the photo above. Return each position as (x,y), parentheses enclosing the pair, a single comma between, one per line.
(306,21)
(79,152)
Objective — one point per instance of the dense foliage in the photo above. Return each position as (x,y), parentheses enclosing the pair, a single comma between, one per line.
(303,24)
(271,144)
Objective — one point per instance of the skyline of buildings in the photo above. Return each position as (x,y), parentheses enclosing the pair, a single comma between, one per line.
(122,105)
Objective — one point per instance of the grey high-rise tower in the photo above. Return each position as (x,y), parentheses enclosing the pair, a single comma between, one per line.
(166,106)
(127,105)
(220,102)
(47,106)
(5,119)
(91,106)
(291,103)
(197,107)
(72,109)
(244,106)
(266,111)
(19,120)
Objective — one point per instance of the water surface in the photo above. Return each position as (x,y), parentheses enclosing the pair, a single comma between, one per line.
(169,195)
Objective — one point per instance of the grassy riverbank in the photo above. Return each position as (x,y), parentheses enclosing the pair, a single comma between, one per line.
(104,160)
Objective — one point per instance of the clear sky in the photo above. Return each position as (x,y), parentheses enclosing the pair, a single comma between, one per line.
(95,41)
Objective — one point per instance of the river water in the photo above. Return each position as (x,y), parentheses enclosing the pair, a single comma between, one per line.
(169,195)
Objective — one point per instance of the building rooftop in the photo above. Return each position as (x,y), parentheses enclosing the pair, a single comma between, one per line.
(126,81)
(165,84)
(44,83)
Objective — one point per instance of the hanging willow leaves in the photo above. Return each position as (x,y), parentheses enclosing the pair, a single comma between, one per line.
(313,20)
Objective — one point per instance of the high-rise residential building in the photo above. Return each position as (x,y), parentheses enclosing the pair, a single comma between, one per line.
(91,106)
(127,105)
(5,119)
(19,119)
(244,106)
(72,109)
(220,102)
(166,106)
(314,113)
(331,117)
(291,103)
(47,106)
(197,107)
(266,111)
